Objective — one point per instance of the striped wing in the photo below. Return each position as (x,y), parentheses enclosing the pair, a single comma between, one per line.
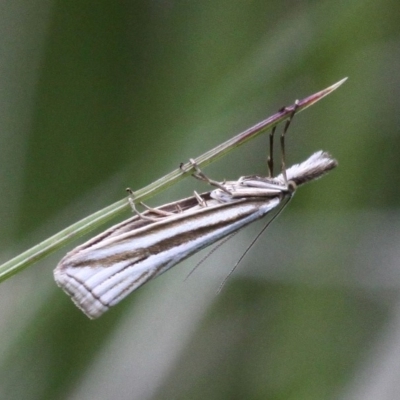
(100,273)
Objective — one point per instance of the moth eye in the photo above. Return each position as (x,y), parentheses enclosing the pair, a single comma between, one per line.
(291,186)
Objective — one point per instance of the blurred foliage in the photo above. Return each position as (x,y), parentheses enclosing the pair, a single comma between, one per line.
(98,96)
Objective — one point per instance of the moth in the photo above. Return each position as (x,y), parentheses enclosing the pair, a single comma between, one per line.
(101,272)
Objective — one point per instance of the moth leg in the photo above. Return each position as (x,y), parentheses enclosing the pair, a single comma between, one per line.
(270,159)
(178,208)
(157,211)
(200,200)
(285,129)
(135,210)
(202,177)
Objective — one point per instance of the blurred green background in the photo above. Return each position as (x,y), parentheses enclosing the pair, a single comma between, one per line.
(98,96)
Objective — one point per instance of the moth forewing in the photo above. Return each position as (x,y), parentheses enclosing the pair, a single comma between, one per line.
(104,270)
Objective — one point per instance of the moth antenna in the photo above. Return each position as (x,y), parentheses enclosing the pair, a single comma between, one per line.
(253,242)
(213,250)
